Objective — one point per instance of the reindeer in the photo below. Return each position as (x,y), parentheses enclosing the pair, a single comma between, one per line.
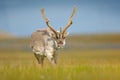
(45,42)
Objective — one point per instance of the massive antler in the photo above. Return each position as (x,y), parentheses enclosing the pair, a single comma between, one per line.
(47,21)
(70,20)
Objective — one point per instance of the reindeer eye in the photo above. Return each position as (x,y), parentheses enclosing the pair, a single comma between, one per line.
(63,37)
(56,37)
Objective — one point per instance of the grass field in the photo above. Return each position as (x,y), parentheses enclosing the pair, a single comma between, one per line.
(96,64)
(87,57)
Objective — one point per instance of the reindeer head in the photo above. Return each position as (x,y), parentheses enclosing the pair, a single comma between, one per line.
(59,36)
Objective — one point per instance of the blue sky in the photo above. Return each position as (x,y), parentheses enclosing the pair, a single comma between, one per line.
(22,17)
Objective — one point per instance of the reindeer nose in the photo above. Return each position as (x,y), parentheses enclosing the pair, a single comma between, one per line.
(60,42)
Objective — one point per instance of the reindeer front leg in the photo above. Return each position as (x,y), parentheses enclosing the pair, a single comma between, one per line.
(51,55)
(55,55)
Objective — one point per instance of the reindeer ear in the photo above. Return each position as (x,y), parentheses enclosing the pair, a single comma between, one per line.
(65,35)
(52,35)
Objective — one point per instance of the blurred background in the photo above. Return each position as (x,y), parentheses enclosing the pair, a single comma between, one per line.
(95,25)
(92,50)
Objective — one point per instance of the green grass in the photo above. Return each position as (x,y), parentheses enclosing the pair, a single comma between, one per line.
(72,65)
(84,72)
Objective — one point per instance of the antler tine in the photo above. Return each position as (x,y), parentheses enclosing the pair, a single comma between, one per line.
(70,20)
(47,21)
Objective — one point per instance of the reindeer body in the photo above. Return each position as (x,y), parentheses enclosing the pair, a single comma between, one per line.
(45,42)
(44,45)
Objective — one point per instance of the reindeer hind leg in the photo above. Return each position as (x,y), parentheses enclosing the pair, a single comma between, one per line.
(40,58)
